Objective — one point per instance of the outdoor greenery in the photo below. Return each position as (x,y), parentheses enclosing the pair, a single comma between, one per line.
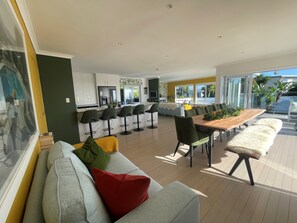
(271,94)
(224,113)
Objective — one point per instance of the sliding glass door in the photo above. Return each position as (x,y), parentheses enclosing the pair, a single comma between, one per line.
(237,91)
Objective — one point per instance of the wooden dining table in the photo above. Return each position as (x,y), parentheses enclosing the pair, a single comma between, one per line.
(226,124)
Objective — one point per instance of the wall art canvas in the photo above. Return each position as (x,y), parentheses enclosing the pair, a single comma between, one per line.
(17,120)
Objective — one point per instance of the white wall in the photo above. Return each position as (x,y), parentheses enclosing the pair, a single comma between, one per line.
(252,66)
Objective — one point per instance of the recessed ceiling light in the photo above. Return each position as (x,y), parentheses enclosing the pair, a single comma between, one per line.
(220,36)
(170,6)
(242,52)
(157,69)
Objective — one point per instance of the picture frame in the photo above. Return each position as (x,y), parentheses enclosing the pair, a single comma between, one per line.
(18,127)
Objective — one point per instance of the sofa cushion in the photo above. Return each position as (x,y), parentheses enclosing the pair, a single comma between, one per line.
(59,150)
(70,195)
(92,155)
(154,185)
(121,193)
(120,164)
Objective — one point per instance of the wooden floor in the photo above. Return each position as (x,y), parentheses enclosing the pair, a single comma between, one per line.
(222,198)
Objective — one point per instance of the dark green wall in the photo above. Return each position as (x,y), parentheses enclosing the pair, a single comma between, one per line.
(57,85)
(154,86)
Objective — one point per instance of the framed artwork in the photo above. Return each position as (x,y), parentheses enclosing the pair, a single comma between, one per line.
(17,117)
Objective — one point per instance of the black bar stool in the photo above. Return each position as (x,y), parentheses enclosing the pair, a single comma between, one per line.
(138,110)
(90,116)
(125,111)
(154,108)
(108,113)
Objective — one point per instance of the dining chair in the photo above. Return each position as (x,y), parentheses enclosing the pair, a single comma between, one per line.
(188,134)
(190,113)
(200,110)
(216,107)
(209,109)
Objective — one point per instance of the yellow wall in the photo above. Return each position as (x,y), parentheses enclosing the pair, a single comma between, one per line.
(18,206)
(171,85)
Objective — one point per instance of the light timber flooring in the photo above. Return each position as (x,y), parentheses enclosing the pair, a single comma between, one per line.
(223,198)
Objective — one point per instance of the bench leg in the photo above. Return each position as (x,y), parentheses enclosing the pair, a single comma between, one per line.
(240,158)
(248,167)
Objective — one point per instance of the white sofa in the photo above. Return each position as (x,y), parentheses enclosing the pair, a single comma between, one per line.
(171,109)
(64,191)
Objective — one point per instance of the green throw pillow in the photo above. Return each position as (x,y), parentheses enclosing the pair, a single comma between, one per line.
(92,155)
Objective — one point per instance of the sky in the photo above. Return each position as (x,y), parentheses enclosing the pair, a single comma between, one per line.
(292,71)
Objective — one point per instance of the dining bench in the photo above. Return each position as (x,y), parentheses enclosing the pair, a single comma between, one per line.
(254,142)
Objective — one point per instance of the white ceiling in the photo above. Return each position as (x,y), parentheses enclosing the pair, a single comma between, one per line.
(146,38)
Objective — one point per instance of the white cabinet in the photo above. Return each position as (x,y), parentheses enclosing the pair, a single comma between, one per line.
(107,79)
(85,89)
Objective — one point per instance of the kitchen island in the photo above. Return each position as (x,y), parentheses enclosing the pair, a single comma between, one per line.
(116,124)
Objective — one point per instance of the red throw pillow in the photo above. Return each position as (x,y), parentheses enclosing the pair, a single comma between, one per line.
(121,193)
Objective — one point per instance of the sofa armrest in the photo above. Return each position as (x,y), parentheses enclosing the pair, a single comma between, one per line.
(109,144)
(174,203)
(34,212)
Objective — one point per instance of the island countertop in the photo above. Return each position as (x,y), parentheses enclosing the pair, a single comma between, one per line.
(100,126)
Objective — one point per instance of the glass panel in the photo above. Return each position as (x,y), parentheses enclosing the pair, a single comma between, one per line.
(236,91)
(184,94)
(132,94)
(205,93)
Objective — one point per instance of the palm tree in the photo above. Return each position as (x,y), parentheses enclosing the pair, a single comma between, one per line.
(282,87)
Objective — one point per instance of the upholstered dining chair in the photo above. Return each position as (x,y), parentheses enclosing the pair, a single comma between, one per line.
(216,107)
(188,134)
(200,110)
(190,113)
(223,105)
(209,108)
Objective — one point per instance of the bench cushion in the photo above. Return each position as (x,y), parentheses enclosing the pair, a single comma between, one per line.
(253,141)
(273,123)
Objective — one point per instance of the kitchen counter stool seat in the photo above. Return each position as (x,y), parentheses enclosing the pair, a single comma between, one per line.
(138,110)
(125,111)
(107,115)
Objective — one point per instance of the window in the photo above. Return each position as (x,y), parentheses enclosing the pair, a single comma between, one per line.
(131,94)
(184,94)
(205,93)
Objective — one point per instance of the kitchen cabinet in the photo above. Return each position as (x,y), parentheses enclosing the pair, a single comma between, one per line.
(85,89)
(107,79)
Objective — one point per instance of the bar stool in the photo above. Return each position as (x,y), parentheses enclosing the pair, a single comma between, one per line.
(125,111)
(108,113)
(138,110)
(154,108)
(90,116)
